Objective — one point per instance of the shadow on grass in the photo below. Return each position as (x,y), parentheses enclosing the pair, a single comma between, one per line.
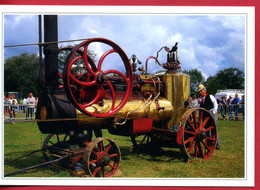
(31,160)
(149,153)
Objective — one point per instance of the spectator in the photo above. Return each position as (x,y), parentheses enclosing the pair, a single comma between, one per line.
(21,105)
(12,98)
(193,101)
(24,105)
(13,110)
(229,101)
(235,104)
(35,104)
(30,103)
(7,104)
(242,103)
(223,107)
(209,103)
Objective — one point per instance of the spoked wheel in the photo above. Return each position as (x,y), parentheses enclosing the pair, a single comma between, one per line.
(199,133)
(54,140)
(140,141)
(101,158)
(89,88)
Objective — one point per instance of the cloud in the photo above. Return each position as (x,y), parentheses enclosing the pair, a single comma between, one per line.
(207,42)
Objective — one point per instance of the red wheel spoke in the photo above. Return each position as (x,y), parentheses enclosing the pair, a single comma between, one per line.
(108,148)
(95,171)
(191,146)
(208,129)
(210,138)
(103,57)
(200,118)
(195,119)
(111,166)
(204,123)
(92,162)
(189,132)
(189,139)
(113,155)
(103,171)
(201,150)
(113,95)
(85,57)
(206,146)
(191,124)
(100,146)
(94,152)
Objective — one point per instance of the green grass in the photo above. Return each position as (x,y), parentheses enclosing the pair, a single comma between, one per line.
(228,162)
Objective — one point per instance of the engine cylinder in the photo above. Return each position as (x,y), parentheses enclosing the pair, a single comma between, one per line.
(176,89)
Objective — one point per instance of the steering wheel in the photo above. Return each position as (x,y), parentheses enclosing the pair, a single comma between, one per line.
(88,89)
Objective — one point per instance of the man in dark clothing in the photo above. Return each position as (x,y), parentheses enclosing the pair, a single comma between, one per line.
(208,102)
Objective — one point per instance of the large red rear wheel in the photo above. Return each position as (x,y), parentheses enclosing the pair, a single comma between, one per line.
(199,133)
(87,89)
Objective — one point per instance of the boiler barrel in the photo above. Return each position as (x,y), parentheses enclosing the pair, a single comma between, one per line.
(176,89)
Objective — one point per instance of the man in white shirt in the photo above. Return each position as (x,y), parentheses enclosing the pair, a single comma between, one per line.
(30,104)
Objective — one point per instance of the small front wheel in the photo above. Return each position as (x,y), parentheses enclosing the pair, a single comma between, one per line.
(101,158)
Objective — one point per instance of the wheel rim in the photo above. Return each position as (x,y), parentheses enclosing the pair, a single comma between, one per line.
(86,91)
(101,158)
(199,134)
(50,141)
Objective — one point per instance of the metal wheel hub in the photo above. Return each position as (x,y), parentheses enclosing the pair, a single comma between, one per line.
(105,160)
(202,135)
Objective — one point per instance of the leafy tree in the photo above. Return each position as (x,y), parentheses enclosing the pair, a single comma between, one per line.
(20,73)
(231,78)
(196,78)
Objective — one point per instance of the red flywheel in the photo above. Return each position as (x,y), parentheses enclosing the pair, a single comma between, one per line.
(88,88)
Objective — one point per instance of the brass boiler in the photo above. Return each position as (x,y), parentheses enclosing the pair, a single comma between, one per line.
(175,90)
(164,110)
(134,109)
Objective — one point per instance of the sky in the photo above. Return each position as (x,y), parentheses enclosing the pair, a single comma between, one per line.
(208,42)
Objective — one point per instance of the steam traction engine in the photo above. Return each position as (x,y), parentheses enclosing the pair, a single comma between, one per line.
(90,97)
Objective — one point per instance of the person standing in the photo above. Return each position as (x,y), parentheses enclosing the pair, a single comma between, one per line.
(30,103)
(242,103)
(7,104)
(235,104)
(13,110)
(223,107)
(193,101)
(24,105)
(209,102)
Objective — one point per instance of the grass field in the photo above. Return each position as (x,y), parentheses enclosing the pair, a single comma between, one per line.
(228,162)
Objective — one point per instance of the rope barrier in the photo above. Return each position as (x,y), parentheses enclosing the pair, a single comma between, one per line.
(45,43)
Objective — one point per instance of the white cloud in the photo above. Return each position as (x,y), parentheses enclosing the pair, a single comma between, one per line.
(208,43)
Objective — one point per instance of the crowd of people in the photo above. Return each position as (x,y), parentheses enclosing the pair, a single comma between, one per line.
(231,105)
(25,105)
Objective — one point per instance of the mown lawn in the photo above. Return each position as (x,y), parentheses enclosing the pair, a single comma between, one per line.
(228,162)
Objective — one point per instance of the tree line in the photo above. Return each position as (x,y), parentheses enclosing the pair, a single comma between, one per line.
(230,78)
(20,73)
